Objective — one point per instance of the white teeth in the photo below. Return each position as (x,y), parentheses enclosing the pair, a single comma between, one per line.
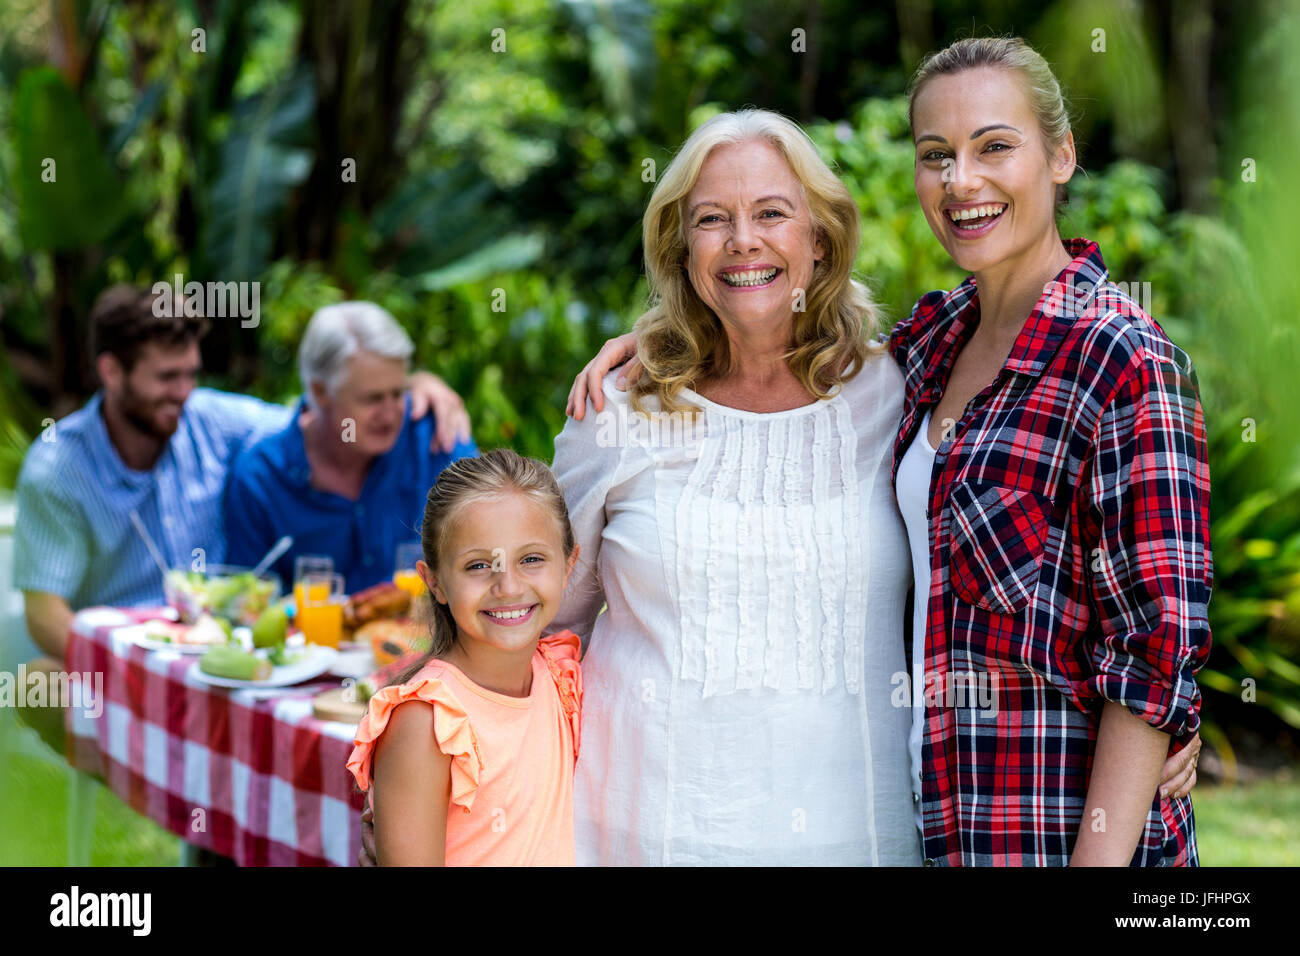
(752,277)
(976,212)
(509,615)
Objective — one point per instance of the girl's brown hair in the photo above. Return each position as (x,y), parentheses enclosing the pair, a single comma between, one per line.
(466,480)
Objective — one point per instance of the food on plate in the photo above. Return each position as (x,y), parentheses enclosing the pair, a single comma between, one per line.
(226,660)
(383,600)
(271,627)
(206,630)
(231,593)
(278,656)
(392,638)
(165,632)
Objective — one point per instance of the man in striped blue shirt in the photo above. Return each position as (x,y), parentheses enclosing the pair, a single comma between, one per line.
(148,442)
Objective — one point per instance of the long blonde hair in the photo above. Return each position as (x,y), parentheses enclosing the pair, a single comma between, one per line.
(681,341)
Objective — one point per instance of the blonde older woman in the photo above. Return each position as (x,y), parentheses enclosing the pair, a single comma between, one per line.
(735,513)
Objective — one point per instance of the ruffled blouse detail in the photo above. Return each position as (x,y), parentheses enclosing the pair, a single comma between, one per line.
(771,514)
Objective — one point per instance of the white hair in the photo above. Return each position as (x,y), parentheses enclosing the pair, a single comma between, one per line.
(338,332)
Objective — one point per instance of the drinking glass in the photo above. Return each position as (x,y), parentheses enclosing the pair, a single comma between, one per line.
(320,599)
(404,574)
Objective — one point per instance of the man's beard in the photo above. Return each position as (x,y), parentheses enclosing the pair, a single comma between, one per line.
(136,411)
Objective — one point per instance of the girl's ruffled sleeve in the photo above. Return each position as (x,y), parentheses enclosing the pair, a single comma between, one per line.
(562,653)
(451,729)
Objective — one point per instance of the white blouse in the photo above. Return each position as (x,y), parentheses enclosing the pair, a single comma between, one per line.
(745,692)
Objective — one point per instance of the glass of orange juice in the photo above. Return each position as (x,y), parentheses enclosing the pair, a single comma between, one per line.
(405,576)
(320,597)
(304,565)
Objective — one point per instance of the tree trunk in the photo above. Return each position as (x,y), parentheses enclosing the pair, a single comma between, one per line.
(915,31)
(1191,32)
(363,55)
(811,62)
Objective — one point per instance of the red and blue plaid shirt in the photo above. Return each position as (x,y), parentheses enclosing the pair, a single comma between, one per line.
(1069,532)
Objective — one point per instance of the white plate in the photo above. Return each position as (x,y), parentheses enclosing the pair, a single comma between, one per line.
(315,660)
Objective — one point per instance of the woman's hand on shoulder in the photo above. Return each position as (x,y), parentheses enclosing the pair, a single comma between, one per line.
(411,790)
(612,354)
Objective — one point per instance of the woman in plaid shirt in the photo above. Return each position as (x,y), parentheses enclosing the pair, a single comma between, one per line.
(1056,464)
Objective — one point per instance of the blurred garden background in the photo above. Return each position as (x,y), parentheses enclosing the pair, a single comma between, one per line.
(503,152)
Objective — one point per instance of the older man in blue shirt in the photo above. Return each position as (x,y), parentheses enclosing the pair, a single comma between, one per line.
(349,474)
(148,442)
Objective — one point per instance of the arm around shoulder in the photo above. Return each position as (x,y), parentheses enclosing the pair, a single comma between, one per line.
(589,460)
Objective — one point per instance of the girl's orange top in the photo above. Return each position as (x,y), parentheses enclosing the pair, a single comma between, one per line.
(512,758)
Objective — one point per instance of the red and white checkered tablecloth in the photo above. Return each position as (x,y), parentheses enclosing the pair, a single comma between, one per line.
(249,774)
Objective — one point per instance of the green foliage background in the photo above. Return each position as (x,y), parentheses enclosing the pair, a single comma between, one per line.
(484,173)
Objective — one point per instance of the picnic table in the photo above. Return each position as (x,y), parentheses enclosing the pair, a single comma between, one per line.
(250,774)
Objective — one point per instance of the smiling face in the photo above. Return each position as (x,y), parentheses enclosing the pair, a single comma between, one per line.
(984,176)
(151,396)
(502,571)
(372,393)
(750,237)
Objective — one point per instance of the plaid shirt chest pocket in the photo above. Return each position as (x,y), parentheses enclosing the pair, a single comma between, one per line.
(997,537)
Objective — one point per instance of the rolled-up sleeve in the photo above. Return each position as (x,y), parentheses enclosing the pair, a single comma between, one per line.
(1150,570)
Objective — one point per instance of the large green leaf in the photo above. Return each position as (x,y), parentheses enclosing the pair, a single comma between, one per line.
(53,139)
(263,157)
(505,255)
(449,227)
(434,218)
(621,51)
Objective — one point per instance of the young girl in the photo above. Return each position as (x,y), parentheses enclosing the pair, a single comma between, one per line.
(469,755)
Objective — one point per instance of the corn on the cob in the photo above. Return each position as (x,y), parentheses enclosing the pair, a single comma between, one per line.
(232,662)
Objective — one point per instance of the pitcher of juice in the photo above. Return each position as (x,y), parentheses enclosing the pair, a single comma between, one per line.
(320,598)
